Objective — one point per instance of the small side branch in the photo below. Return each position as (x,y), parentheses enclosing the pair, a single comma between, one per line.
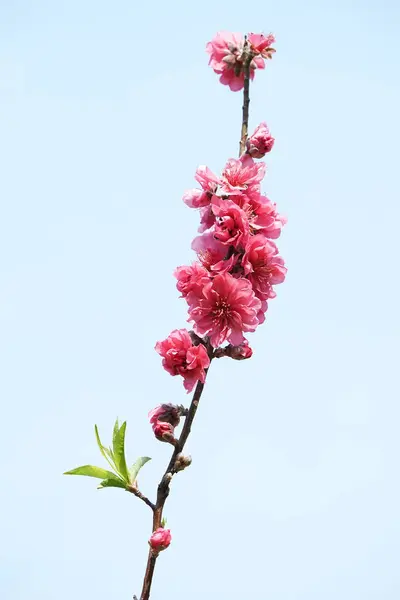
(139,494)
(247,58)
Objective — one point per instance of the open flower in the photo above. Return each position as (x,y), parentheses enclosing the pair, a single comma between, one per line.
(263,266)
(261,44)
(226,59)
(242,176)
(180,357)
(232,225)
(262,215)
(225,309)
(196,198)
(207,218)
(191,277)
(212,253)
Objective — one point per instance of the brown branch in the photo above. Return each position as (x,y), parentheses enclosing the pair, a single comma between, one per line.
(163,487)
(247,58)
(139,494)
(148,576)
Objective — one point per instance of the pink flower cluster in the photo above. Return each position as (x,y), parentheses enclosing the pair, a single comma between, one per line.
(227,289)
(182,357)
(227,54)
(238,265)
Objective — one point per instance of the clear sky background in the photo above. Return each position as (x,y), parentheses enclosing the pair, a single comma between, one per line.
(106,110)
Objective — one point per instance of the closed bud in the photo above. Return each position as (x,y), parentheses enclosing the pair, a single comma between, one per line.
(260,142)
(182,462)
(240,352)
(164,432)
(160,539)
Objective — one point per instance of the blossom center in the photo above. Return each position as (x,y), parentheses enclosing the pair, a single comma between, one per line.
(221,309)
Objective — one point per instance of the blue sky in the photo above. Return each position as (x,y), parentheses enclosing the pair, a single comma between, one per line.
(106,110)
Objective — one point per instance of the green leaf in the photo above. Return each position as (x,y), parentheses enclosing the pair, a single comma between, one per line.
(135,468)
(105,451)
(163,522)
(119,450)
(115,432)
(112,482)
(91,471)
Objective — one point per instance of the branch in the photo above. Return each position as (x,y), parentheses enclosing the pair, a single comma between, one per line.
(139,494)
(163,486)
(247,58)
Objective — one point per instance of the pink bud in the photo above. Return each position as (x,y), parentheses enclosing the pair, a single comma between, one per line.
(260,142)
(169,413)
(164,431)
(240,352)
(160,539)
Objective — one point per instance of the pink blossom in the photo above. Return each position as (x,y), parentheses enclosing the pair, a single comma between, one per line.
(225,45)
(191,277)
(206,178)
(234,79)
(168,413)
(262,311)
(242,176)
(225,51)
(212,253)
(226,59)
(196,198)
(180,357)
(262,215)
(163,431)
(232,225)
(160,539)
(225,309)
(260,44)
(263,266)
(207,218)
(260,142)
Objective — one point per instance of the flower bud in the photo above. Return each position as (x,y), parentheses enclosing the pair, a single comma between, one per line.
(160,539)
(182,462)
(240,352)
(260,142)
(164,432)
(167,477)
(168,413)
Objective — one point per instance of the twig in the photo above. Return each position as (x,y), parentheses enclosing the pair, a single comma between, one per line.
(163,487)
(247,58)
(139,494)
